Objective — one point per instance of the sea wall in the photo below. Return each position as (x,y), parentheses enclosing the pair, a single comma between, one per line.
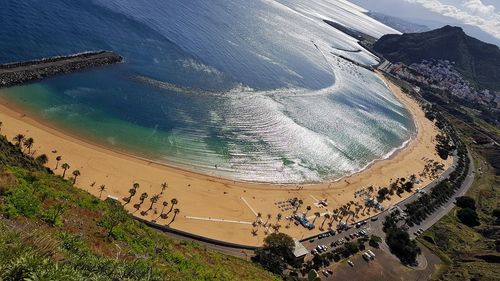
(20,72)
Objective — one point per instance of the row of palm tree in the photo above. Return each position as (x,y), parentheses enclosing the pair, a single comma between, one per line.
(28,142)
(153,200)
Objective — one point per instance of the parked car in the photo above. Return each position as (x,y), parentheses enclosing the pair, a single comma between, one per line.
(350,263)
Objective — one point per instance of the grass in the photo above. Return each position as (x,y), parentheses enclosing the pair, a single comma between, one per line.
(458,245)
(38,244)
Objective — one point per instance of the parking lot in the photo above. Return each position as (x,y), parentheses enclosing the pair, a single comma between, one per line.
(337,238)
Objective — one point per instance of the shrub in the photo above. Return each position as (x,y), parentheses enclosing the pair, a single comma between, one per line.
(466,202)
(468,217)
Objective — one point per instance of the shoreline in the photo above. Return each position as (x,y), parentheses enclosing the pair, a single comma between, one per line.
(210,205)
(7,105)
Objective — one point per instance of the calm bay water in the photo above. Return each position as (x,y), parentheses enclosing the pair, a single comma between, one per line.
(259,88)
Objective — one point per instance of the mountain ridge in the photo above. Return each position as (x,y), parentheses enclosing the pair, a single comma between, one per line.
(474,59)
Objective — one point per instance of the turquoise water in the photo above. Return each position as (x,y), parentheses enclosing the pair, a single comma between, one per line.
(254,87)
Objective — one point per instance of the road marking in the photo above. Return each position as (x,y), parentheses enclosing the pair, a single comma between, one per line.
(217,220)
(314,198)
(248,205)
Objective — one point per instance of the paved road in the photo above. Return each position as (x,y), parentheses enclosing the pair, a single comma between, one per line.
(446,208)
(372,227)
(375,227)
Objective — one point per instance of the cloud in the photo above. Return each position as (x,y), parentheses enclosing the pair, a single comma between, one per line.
(471,12)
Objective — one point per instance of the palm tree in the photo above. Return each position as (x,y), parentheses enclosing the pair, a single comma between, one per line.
(76,174)
(254,232)
(163,187)
(176,211)
(165,204)
(101,189)
(28,143)
(132,192)
(278,217)
(300,202)
(269,216)
(153,200)
(58,158)
(19,139)
(316,215)
(42,159)
(136,185)
(327,216)
(65,166)
(308,208)
(174,202)
(143,197)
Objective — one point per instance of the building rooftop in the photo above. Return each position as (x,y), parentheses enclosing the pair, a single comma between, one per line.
(300,250)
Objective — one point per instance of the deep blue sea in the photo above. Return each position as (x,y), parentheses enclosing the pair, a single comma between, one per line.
(254,87)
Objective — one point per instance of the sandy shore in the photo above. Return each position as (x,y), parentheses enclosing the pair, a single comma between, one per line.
(214,207)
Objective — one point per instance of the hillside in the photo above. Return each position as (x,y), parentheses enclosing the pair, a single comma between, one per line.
(477,61)
(50,230)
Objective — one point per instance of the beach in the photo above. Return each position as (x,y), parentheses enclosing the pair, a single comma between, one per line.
(220,208)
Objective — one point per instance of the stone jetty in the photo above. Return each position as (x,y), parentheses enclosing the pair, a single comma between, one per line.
(20,72)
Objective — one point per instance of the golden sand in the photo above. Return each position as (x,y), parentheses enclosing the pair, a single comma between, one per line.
(214,207)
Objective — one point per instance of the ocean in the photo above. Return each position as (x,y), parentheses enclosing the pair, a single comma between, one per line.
(247,90)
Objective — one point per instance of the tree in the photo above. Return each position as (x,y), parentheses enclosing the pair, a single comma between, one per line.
(176,211)
(143,197)
(278,217)
(153,200)
(102,188)
(28,143)
(132,193)
(42,159)
(316,215)
(19,138)
(280,244)
(327,216)
(375,241)
(58,159)
(269,216)
(308,208)
(76,174)
(468,217)
(466,202)
(173,202)
(65,167)
(53,213)
(113,217)
(165,204)
(163,187)
(382,193)
(402,246)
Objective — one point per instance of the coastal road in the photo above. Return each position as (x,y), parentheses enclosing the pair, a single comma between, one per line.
(375,226)
(448,206)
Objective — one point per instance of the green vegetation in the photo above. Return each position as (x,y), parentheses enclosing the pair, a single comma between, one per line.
(399,240)
(375,241)
(50,230)
(276,253)
(470,251)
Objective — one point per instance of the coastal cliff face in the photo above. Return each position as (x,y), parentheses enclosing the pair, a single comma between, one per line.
(20,72)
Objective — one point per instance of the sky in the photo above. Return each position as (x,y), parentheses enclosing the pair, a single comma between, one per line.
(479,18)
